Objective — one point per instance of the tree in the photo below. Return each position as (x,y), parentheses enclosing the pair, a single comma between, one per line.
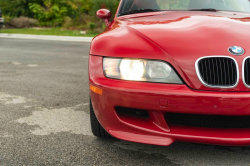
(16,8)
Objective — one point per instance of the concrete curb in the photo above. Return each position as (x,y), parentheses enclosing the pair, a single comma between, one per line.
(46,37)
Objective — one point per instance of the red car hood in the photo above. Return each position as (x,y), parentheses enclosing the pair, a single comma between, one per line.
(181,38)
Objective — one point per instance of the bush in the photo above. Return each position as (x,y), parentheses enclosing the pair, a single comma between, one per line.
(68,22)
(21,22)
(92,26)
(50,12)
(7,19)
(78,23)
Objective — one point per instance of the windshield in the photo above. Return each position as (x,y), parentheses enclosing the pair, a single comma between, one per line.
(140,5)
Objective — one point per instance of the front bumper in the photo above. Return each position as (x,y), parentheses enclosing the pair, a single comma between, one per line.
(158,99)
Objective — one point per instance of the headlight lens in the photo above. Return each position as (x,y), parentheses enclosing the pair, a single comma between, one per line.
(140,70)
(132,69)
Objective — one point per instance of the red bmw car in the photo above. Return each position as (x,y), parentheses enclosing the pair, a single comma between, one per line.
(173,70)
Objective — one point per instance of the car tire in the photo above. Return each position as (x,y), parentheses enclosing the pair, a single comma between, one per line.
(96,127)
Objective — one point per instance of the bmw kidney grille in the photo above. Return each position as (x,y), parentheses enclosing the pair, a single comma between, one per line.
(218,71)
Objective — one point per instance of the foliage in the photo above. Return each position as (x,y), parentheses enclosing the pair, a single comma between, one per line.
(50,12)
(16,8)
(79,13)
(92,26)
(81,6)
(7,19)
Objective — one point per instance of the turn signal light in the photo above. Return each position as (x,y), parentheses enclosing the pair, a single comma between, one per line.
(95,89)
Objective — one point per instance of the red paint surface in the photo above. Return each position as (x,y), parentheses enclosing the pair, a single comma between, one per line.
(103,14)
(180,38)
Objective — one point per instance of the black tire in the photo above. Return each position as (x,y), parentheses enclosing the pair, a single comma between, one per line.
(96,127)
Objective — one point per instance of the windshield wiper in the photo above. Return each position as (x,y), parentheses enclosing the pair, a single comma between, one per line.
(205,9)
(138,11)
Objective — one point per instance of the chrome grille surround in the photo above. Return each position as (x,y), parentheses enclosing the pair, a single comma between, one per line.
(214,86)
(243,71)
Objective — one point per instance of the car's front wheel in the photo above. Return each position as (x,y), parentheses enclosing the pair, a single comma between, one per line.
(96,127)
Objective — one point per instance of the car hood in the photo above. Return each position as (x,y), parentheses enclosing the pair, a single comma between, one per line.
(183,37)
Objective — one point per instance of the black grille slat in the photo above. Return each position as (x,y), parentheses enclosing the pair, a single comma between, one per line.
(210,71)
(225,74)
(232,71)
(246,71)
(208,121)
(218,71)
(220,74)
(214,80)
(206,69)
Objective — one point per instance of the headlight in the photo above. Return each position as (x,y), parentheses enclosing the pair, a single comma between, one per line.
(140,70)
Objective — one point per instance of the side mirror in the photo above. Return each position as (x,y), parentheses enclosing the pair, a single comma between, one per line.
(105,15)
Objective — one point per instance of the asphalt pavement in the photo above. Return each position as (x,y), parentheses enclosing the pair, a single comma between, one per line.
(44,115)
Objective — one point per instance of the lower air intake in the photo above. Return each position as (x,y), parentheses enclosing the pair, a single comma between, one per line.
(208,121)
(132,112)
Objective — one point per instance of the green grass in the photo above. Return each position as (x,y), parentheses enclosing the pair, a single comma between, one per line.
(53,31)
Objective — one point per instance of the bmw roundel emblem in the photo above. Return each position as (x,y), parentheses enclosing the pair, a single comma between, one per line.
(236,50)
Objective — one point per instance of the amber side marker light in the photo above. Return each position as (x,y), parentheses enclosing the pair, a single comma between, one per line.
(95,89)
